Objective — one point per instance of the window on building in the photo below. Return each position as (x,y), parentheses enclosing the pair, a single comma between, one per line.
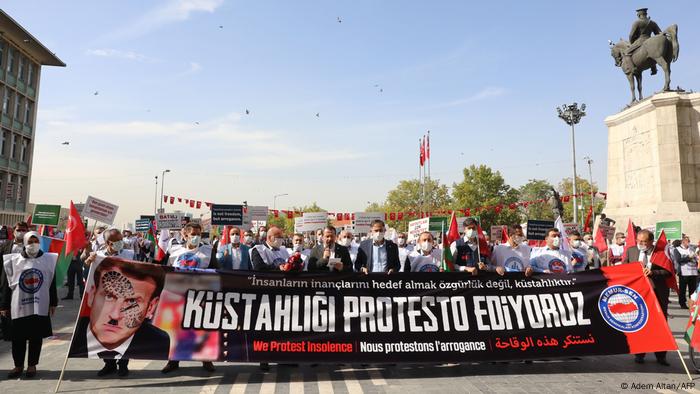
(6,101)
(29,106)
(20,68)
(13,150)
(30,74)
(25,150)
(20,188)
(10,60)
(18,106)
(2,52)
(4,143)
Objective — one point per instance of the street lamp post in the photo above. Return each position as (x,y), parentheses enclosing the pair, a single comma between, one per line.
(590,177)
(155,198)
(162,186)
(274,200)
(572,114)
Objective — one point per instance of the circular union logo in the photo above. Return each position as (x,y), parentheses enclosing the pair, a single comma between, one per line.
(623,308)
(513,264)
(557,266)
(30,280)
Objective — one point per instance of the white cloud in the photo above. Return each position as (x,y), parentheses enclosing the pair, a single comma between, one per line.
(118,54)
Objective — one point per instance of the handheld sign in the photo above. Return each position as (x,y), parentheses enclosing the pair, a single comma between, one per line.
(142,224)
(169,221)
(226,215)
(537,229)
(46,214)
(100,210)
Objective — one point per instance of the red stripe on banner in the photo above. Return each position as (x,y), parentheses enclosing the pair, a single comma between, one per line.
(655,335)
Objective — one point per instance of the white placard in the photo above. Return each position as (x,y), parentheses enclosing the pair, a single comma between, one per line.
(100,210)
(314,220)
(258,213)
(298,225)
(169,221)
(416,227)
(363,220)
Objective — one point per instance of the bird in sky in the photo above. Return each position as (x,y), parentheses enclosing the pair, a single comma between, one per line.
(221,26)
(339,20)
(96,93)
(65,143)
(247,112)
(318,114)
(196,123)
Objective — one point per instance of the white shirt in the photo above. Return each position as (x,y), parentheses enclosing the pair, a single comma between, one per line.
(403,255)
(272,257)
(553,260)
(617,250)
(422,263)
(690,268)
(183,257)
(30,280)
(94,346)
(512,259)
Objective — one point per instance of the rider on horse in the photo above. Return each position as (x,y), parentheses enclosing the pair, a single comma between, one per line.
(642,29)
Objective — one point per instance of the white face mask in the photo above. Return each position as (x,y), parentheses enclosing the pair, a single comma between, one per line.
(401,241)
(235,239)
(377,236)
(117,246)
(426,246)
(555,242)
(277,243)
(345,241)
(194,240)
(263,234)
(589,242)
(298,247)
(32,249)
(248,239)
(641,248)
(470,233)
(20,234)
(518,239)
(576,243)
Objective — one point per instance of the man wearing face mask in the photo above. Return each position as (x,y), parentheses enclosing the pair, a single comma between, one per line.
(319,236)
(192,255)
(98,239)
(377,254)
(617,249)
(234,255)
(513,255)
(262,235)
(249,239)
(657,275)
(346,239)
(425,258)
(593,255)
(404,250)
(298,246)
(21,228)
(323,254)
(467,255)
(550,258)
(579,252)
(686,264)
(271,254)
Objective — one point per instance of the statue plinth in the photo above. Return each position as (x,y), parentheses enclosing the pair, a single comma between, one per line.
(654,162)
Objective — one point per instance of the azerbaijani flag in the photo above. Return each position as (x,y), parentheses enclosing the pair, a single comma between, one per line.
(452,235)
(58,246)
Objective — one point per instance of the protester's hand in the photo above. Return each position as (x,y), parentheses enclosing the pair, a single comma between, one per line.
(500,271)
(52,310)
(482,265)
(339,266)
(391,271)
(91,258)
(364,270)
(472,270)
(529,271)
(647,271)
(327,253)
(225,252)
(4,312)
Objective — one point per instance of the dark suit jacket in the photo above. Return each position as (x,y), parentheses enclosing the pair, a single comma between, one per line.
(364,255)
(318,264)
(149,343)
(657,278)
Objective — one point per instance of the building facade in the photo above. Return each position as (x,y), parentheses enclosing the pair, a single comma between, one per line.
(21,58)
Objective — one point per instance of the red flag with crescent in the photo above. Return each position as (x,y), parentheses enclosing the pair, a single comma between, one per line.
(75,232)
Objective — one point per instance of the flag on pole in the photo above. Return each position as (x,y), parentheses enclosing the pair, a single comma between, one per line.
(631,239)
(58,246)
(600,241)
(660,258)
(484,249)
(564,244)
(427,149)
(75,232)
(449,237)
(587,224)
(504,234)
(161,245)
(421,144)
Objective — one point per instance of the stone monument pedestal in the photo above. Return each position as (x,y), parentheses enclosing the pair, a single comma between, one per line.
(654,162)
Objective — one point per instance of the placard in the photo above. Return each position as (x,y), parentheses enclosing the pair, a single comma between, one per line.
(363,220)
(608,231)
(169,221)
(298,224)
(497,233)
(569,228)
(672,229)
(537,229)
(416,227)
(226,215)
(314,220)
(100,210)
(142,224)
(258,213)
(46,214)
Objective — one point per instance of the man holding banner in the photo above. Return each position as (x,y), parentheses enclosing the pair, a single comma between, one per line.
(467,252)
(271,254)
(425,258)
(514,254)
(377,254)
(550,258)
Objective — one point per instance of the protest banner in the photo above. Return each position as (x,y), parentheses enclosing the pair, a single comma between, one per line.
(569,228)
(142,224)
(363,221)
(416,227)
(298,224)
(353,318)
(169,221)
(258,213)
(226,215)
(100,210)
(608,231)
(672,229)
(46,214)
(537,229)
(314,221)
(497,233)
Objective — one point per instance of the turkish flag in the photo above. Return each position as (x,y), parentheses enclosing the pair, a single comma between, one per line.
(587,223)
(191,203)
(600,242)
(392,216)
(484,249)
(75,231)
(399,216)
(631,239)
(504,234)
(290,214)
(179,199)
(660,258)
(165,198)
(199,205)
(172,200)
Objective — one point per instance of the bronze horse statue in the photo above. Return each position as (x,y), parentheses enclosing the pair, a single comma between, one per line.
(661,49)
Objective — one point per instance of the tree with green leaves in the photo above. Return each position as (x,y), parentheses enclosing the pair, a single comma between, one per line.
(566,188)
(536,189)
(481,187)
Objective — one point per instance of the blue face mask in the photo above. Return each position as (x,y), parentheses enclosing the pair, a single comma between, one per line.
(194,240)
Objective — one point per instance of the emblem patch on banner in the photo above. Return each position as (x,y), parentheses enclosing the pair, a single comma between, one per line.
(30,280)
(429,268)
(513,264)
(623,308)
(557,266)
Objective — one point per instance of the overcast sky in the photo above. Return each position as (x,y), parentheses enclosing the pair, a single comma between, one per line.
(174,78)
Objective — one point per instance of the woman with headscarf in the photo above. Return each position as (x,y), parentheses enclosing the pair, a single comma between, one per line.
(29,296)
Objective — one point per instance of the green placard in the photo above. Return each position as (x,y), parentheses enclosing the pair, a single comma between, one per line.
(672,229)
(46,214)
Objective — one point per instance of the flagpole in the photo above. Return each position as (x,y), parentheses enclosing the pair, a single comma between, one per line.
(442,255)
(684,366)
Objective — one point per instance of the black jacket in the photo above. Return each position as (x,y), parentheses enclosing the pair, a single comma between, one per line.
(318,264)
(364,255)
(149,343)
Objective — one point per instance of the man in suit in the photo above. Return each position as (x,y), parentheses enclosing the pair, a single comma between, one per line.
(328,250)
(377,254)
(234,255)
(468,256)
(121,299)
(657,278)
